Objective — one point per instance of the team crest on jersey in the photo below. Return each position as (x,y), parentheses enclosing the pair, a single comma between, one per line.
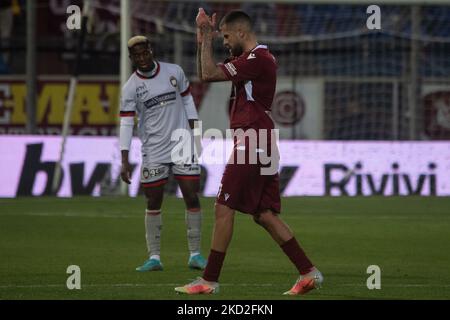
(173,81)
(145,173)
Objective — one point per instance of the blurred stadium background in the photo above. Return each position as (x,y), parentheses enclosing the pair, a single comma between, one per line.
(374,84)
(361,112)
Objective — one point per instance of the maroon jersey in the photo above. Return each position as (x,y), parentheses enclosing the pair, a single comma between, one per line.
(244,187)
(254,76)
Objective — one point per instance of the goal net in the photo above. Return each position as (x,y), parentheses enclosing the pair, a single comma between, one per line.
(338,79)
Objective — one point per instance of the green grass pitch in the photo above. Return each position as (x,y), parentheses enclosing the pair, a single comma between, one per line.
(407,237)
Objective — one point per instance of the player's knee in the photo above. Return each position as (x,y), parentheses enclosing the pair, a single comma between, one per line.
(192,200)
(152,204)
(223,213)
(263,218)
(256,219)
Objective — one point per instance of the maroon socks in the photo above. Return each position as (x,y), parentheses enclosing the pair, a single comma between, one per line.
(215,262)
(291,248)
(298,257)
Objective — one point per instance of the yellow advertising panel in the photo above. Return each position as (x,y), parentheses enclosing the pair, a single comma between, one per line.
(95,110)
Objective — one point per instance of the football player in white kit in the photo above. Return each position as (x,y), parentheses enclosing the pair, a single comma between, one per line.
(158,94)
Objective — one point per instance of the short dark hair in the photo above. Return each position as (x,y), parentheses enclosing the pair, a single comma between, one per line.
(237,16)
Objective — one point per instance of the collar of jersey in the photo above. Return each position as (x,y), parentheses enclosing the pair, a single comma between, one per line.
(140,75)
(259,46)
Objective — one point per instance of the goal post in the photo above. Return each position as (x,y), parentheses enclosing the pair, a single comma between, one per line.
(125,68)
(70,98)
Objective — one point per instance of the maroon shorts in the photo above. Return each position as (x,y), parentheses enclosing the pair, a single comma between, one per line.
(243,188)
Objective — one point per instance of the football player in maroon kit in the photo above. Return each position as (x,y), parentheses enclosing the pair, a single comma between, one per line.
(246,187)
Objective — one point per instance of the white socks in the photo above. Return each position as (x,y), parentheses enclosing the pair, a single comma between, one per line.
(194,227)
(153,226)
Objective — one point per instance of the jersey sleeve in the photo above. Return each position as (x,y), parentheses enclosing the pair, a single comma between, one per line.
(127,113)
(186,97)
(244,68)
(184,85)
(128,101)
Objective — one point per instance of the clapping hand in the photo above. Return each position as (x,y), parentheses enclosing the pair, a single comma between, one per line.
(202,20)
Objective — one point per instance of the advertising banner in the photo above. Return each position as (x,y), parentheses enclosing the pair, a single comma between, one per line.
(307,168)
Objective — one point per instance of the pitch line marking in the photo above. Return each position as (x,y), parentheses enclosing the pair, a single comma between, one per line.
(125,216)
(143,285)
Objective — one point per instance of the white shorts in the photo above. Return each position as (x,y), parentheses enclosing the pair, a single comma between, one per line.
(153,175)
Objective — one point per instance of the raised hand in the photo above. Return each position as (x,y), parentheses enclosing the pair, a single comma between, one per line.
(203,20)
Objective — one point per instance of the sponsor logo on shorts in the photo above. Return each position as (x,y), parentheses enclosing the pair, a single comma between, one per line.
(226,196)
(146,173)
(155,172)
(191,167)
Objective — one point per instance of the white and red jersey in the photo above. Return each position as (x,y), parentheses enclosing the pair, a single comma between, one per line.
(159,101)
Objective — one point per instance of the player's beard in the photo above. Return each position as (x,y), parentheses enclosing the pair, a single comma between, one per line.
(236,51)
